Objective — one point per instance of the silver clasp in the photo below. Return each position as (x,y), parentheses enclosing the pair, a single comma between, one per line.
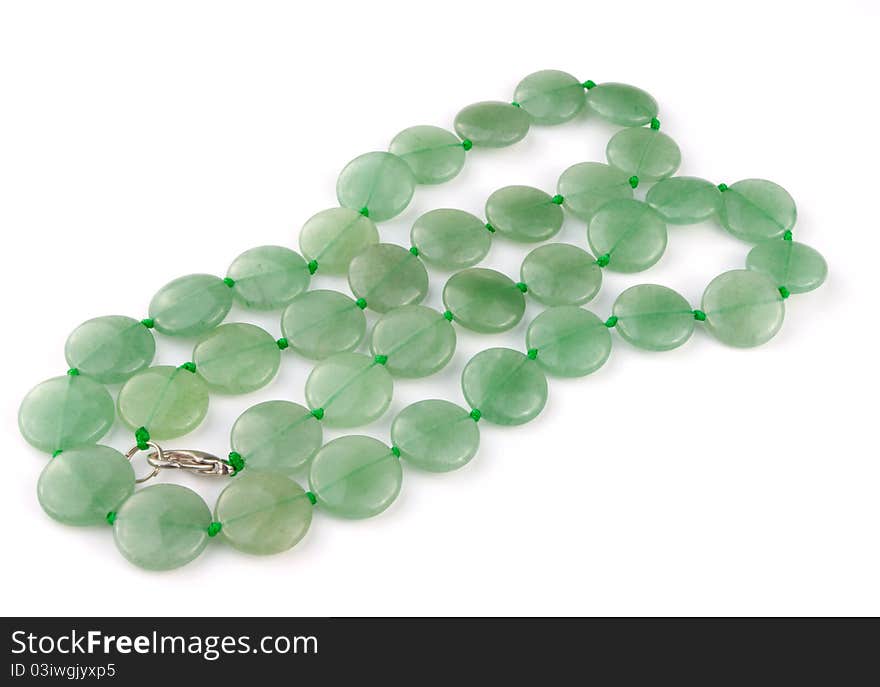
(199,462)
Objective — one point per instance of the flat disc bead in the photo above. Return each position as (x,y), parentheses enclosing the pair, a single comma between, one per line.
(388,276)
(757,209)
(630,232)
(523,213)
(433,154)
(684,200)
(380,182)
(190,305)
(492,124)
(268,277)
(110,349)
(484,300)
(505,386)
(168,401)
(236,358)
(793,265)
(418,341)
(653,317)
(587,186)
(550,96)
(276,436)
(561,274)
(333,237)
(646,153)
(571,342)
(622,104)
(355,477)
(743,308)
(162,527)
(450,239)
(435,435)
(321,323)
(352,388)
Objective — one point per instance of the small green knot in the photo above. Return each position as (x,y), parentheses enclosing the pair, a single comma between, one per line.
(588,84)
(236,461)
(787,235)
(557,199)
(361,303)
(395,451)
(318,413)
(229,281)
(722,187)
(467,144)
(73,372)
(522,286)
(603,260)
(633,181)
(515,104)
(364,211)
(148,322)
(381,359)
(699,315)
(448,315)
(532,353)
(311,497)
(214,529)
(784,292)
(490,228)
(282,343)
(142,436)
(111,517)
(313,266)
(189,367)
(611,321)
(655,123)
(56,452)
(414,251)
(475,415)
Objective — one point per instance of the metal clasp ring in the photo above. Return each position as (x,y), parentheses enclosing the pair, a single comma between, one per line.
(200,462)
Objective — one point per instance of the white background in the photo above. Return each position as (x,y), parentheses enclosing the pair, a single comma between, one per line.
(143,141)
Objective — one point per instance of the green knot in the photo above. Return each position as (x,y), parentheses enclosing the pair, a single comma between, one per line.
(148,322)
(73,372)
(361,303)
(364,211)
(282,343)
(448,315)
(557,199)
(784,292)
(214,529)
(611,321)
(467,144)
(787,235)
(229,281)
(111,517)
(475,415)
(312,499)
(142,436)
(381,359)
(588,84)
(603,260)
(655,123)
(236,461)
(522,286)
(189,367)
(633,181)
(722,187)
(414,251)
(699,315)
(318,413)
(56,452)
(490,228)
(396,451)
(515,104)
(532,354)
(313,266)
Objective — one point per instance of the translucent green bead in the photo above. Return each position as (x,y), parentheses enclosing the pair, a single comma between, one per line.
(388,276)
(743,308)
(268,277)
(276,436)
(484,300)
(645,153)
(355,477)
(756,209)
(492,124)
(587,186)
(550,96)
(505,386)
(333,237)
(433,154)
(168,401)
(162,527)
(622,104)
(630,233)
(352,388)
(523,213)
(63,412)
(380,182)
(237,358)
(450,239)
(570,341)
(435,435)
(653,317)
(417,341)
(110,349)
(321,323)
(793,265)
(561,274)
(190,305)
(263,513)
(684,200)
(81,485)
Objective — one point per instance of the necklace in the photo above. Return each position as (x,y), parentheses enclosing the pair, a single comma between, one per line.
(263,510)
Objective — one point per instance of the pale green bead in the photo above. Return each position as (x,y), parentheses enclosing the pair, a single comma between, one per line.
(81,485)
(237,358)
(333,237)
(268,277)
(743,308)
(190,305)
(793,265)
(756,209)
(110,349)
(653,317)
(622,104)
(645,153)
(684,200)
(492,124)
(66,411)
(484,300)
(505,386)
(570,341)
(523,213)
(418,341)
(433,154)
(550,96)
(587,186)
(387,276)
(168,401)
(162,527)
(321,323)
(355,477)
(630,233)
(263,513)
(435,435)
(451,239)
(561,274)
(276,436)
(351,388)
(380,182)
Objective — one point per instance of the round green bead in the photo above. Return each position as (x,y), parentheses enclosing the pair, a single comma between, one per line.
(380,182)
(162,527)
(110,349)
(321,323)
(571,342)
(550,96)
(63,412)
(190,305)
(523,213)
(492,124)
(387,276)
(433,154)
(756,209)
(622,104)
(276,436)
(355,477)
(587,186)
(417,341)
(630,232)
(505,386)
(484,300)
(237,358)
(263,513)
(168,401)
(743,308)
(684,200)
(333,237)
(793,265)
(81,485)
(352,388)
(435,435)
(451,239)
(653,317)
(268,277)
(645,153)
(561,274)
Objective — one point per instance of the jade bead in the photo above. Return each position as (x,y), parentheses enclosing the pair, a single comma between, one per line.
(66,411)
(450,239)
(321,323)
(550,96)
(646,153)
(81,485)
(162,527)
(684,200)
(355,477)
(622,104)
(484,300)
(417,341)
(561,274)
(523,213)
(110,349)
(433,154)
(793,265)
(505,386)
(380,182)
(756,209)
(268,277)
(352,388)
(276,436)
(570,341)
(492,124)
(630,233)
(168,401)
(387,276)
(743,308)
(653,317)
(263,513)
(190,305)
(333,237)
(237,358)
(587,186)
(435,435)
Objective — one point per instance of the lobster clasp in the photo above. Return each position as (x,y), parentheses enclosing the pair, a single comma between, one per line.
(200,462)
